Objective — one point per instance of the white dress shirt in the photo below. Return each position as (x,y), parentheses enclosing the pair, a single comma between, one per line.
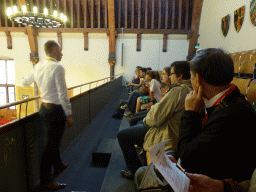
(209,103)
(50,79)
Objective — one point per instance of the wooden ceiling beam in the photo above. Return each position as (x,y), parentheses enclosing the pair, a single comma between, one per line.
(197,7)
(112,35)
(32,35)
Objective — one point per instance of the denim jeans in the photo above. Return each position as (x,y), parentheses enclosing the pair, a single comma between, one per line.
(55,120)
(129,137)
(132,101)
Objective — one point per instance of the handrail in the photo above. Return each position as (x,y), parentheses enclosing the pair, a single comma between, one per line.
(92,82)
(38,97)
(19,102)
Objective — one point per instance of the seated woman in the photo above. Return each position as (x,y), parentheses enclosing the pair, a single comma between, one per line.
(152,77)
(167,82)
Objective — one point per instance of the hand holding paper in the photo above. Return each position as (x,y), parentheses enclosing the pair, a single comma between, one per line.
(173,175)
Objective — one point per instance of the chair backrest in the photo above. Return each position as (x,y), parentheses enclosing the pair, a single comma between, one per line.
(245,56)
(253,55)
(242,84)
(247,67)
(251,91)
(235,56)
(236,67)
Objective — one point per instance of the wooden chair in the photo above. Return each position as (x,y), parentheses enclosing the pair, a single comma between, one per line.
(246,69)
(242,84)
(236,68)
(251,91)
(235,56)
(245,56)
(253,55)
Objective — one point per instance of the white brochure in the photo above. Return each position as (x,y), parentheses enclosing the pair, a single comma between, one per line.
(173,175)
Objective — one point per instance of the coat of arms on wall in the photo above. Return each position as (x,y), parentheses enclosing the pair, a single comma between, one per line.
(225,25)
(239,18)
(253,12)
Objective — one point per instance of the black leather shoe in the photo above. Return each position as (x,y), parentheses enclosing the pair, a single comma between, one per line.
(54,186)
(127,174)
(60,170)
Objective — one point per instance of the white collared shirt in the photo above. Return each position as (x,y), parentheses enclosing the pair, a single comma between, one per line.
(209,103)
(50,78)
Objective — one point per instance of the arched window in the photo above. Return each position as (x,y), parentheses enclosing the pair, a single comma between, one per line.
(7,82)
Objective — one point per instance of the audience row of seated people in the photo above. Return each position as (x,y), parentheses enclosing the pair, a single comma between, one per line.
(210,124)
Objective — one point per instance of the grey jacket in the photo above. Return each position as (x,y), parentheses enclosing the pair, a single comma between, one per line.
(164,117)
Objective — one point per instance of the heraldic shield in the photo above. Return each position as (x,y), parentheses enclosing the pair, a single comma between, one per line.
(253,12)
(225,25)
(239,18)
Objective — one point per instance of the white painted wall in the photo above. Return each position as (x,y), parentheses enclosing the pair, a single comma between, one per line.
(20,53)
(86,66)
(210,26)
(151,54)
(81,66)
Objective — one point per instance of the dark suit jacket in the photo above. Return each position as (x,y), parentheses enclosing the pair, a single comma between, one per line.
(224,147)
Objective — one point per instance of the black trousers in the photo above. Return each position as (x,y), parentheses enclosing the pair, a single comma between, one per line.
(129,137)
(138,117)
(55,120)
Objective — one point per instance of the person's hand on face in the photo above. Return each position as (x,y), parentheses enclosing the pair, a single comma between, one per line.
(194,100)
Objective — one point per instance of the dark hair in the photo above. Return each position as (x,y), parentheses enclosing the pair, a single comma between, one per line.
(181,67)
(138,67)
(214,66)
(168,70)
(149,68)
(154,75)
(143,70)
(190,57)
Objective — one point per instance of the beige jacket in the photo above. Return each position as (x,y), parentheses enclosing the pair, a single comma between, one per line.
(164,117)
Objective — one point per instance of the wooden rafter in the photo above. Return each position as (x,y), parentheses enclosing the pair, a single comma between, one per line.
(9,39)
(31,32)
(112,32)
(197,7)
(138,42)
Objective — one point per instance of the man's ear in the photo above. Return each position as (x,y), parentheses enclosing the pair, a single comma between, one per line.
(199,79)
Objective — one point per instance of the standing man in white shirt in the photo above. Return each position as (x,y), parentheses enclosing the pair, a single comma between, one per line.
(55,111)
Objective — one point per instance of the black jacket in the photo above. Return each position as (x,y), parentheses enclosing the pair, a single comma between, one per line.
(224,147)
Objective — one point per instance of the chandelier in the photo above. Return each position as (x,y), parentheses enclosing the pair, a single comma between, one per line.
(36,19)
